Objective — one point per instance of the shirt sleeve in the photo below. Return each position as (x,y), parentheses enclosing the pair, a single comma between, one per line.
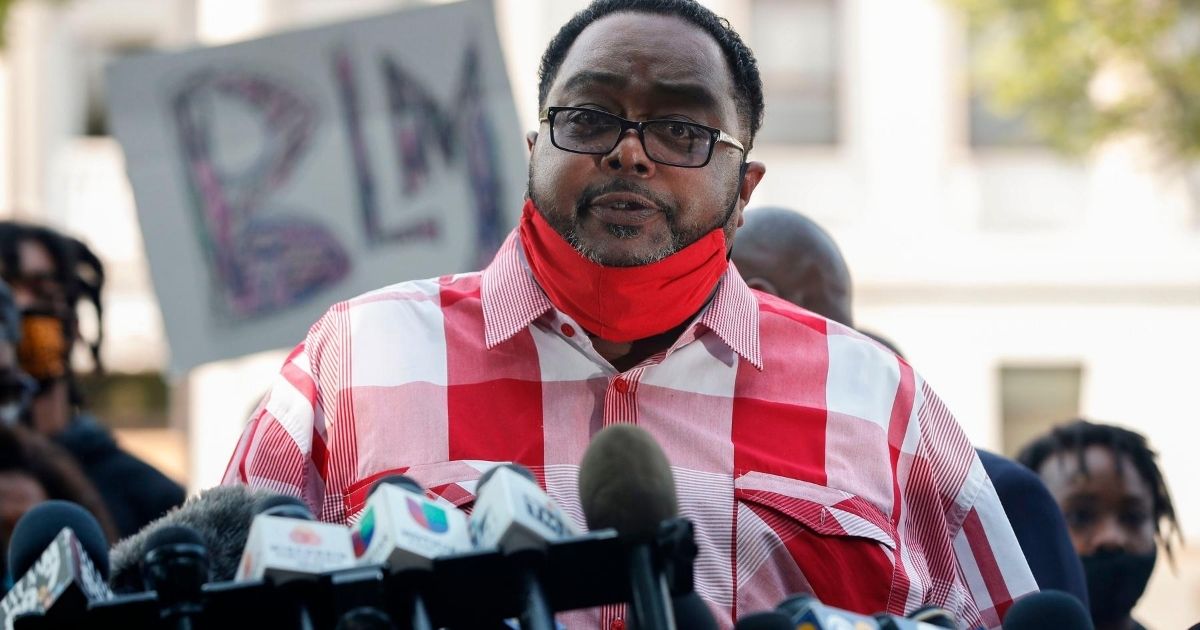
(275,451)
(976,567)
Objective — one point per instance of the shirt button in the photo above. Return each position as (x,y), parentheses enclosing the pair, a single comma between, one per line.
(568,330)
(617,624)
(622,387)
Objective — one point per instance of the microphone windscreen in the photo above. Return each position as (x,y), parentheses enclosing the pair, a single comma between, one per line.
(625,483)
(38,527)
(1046,610)
(173,535)
(221,516)
(764,621)
(402,481)
(491,472)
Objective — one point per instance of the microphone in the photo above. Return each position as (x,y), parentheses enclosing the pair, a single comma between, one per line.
(808,611)
(1048,609)
(286,544)
(935,616)
(626,484)
(176,568)
(222,517)
(692,613)
(513,514)
(61,554)
(764,621)
(403,530)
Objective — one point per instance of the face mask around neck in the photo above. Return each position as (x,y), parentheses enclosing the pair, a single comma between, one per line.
(622,304)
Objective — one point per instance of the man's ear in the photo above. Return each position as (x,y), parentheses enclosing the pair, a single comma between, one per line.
(754,172)
(762,284)
(531,139)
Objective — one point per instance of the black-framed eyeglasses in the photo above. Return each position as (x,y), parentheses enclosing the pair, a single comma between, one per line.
(670,142)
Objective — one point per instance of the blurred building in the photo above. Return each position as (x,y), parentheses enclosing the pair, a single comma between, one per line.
(1027,288)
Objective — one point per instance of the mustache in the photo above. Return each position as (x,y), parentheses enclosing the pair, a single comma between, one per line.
(588,197)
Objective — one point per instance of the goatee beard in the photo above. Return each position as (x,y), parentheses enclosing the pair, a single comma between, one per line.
(567,225)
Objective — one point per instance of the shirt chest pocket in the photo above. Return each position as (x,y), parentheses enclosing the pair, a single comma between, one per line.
(798,537)
(452,483)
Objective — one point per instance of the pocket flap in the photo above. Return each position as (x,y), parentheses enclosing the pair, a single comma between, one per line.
(826,511)
(453,483)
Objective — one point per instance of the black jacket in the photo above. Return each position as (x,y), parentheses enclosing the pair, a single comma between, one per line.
(1038,524)
(134,492)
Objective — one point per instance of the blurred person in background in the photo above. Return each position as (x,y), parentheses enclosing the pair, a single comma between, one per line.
(49,275)
(32,469)
(1108,485)
(784,253)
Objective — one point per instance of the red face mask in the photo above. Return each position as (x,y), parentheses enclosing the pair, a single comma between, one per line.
(622,303)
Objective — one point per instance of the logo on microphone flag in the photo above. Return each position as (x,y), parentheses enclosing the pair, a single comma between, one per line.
(428,515)
(361,536)
(303,535)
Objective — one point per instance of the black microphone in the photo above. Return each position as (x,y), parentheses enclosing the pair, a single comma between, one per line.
(1046,610)
(692,613)
(765,621)
(285,506)
(222,517)
(625,483)
(365,618)
(935,616)
(61,554)
(176,568)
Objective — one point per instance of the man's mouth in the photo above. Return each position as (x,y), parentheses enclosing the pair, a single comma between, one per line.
(623,208)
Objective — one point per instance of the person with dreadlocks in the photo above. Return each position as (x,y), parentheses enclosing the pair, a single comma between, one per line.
(1118,510)
(50,274)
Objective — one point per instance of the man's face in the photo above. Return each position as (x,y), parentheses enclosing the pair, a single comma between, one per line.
(621,208)
(35,284)
(1106,508)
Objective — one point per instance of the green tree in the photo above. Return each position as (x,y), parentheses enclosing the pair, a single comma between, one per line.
(1082,71)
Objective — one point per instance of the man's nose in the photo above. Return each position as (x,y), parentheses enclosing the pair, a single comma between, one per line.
(1109,535)
(629,155)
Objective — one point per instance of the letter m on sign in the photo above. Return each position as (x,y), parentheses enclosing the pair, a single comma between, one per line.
(425,138)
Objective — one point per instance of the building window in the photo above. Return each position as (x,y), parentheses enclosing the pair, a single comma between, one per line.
(95,60)
(1035,398)
(795,42)
(987,126)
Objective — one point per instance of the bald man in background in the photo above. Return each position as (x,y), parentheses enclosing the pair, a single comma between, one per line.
(784,253)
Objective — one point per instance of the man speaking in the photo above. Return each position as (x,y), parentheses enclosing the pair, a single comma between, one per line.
(810,460)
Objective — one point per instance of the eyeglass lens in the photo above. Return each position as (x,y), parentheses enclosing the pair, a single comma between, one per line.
(667,141)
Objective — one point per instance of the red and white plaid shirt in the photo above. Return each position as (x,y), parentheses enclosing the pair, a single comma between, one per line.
(809,458)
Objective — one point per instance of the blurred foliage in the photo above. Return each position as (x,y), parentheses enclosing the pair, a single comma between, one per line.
(5,7)
(1081,71)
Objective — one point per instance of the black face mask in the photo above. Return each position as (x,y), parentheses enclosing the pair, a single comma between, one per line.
(1116,580)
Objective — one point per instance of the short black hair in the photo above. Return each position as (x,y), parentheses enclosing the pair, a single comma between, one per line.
(747,85)
(1075,436)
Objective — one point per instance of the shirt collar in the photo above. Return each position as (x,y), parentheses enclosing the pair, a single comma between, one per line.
(512,300)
